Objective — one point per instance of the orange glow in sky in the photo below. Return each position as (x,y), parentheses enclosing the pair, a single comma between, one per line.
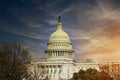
(105,47)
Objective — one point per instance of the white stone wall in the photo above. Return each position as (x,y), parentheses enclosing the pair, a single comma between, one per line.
(85,66)
(59,70)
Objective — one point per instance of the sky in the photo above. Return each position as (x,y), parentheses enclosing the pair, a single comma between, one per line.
(92,25)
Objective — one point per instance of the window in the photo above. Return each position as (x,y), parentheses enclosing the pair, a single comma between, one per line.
(54,71)
(68,76)
(51,71)
(68,70)
(59,71)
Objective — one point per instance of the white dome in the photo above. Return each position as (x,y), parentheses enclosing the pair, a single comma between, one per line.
(59,46)
(59,35)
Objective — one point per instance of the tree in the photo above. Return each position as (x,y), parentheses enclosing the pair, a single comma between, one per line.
(13,60)
(34,73)
(82,74)
(75,76)
(91,74)
(104,76)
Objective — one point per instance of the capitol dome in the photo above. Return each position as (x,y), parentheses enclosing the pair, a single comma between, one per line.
(59,45)
(59,35)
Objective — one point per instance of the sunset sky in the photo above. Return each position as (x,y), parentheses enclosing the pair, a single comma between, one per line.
(92,25)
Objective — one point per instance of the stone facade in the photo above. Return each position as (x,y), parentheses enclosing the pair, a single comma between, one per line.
(59,63)
(112,68)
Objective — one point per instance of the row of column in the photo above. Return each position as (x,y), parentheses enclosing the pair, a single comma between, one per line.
(59,54)
(50,69)
(59,46)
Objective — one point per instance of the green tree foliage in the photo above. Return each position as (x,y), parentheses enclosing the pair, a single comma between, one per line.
(91,74)
(13,60)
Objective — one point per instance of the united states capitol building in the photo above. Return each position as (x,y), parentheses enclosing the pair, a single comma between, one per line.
(59,63)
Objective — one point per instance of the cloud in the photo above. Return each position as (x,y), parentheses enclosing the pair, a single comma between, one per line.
(96,34)
(104,47)
(94,30)
(34,25)
(54,9)
(36,49)
(29,17)
(27,32)
(105,11)
(63,12)
(51,22)
(98,29)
